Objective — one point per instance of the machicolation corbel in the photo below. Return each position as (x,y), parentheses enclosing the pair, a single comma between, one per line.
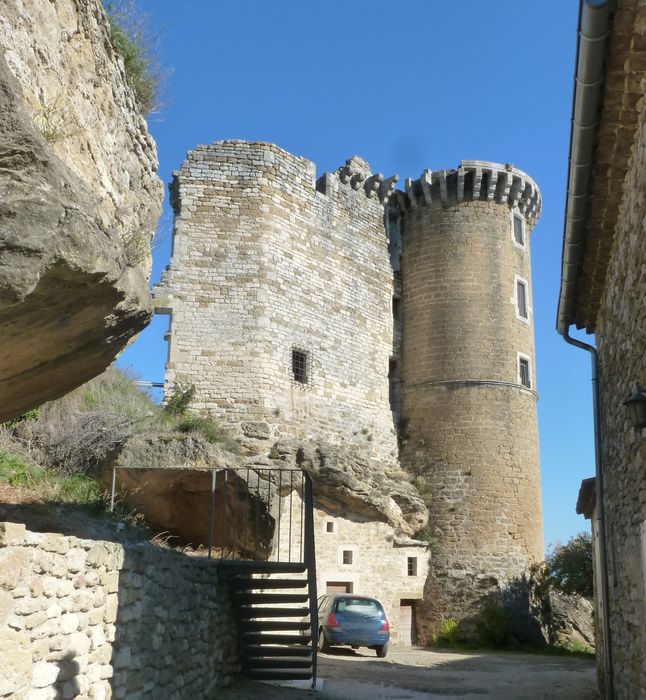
(474,180)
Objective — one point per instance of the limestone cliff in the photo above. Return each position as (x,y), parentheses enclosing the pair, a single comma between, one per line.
(166,478)
(79,201)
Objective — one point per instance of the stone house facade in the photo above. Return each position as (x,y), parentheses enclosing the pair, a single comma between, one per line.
(603,292)
(391,324)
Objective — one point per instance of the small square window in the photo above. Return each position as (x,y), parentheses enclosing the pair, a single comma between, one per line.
(524,373)
(412,566)
(299,366)
(347,556)
(521,298)
(329,526)
(519,230)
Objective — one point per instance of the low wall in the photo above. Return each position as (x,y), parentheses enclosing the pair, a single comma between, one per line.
(99,620)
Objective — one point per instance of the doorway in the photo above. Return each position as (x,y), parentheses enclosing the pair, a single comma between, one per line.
(407,634)
(338,587)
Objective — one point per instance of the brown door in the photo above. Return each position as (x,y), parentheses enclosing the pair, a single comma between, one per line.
(338,587)
(407,635)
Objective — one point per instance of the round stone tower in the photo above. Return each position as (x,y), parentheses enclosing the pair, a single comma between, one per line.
(468,399)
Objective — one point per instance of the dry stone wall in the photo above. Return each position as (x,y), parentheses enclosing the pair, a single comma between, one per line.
(99,620)
(620,339)
(265,262)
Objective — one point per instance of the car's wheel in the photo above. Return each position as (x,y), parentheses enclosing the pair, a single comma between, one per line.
(382,651)
(323,643)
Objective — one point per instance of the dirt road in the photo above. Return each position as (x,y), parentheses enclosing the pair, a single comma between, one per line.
(416,674)
(420,674)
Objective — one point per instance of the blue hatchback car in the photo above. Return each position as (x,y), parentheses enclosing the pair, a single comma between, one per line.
(352,620)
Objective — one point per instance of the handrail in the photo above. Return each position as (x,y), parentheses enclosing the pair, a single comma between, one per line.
(310,561)
(247,502)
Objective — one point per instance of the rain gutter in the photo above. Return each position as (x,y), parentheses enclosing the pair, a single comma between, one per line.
(594,17)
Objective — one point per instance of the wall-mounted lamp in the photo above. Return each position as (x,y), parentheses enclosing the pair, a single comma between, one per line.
(637,407)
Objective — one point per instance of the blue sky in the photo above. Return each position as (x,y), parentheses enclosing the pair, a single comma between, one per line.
(408,86)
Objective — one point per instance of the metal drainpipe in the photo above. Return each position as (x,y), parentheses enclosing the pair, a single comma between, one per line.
(601,561)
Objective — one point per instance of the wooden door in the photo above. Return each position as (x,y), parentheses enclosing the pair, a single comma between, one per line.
(407,634)
(338,587)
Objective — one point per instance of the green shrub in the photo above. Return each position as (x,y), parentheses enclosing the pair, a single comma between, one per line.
(180,399)
(209,429)
(570,566)
(449,634)
(16,473)
(81,489)
(205,426)
(26,417)
(494,626)
(131,39)
(425,534)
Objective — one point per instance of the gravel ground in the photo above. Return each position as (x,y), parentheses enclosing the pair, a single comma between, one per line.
(419,674)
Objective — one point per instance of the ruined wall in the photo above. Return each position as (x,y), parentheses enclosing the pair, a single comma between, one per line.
(470,425)
(620,340)
(264,263)
(85,618)
(80,201)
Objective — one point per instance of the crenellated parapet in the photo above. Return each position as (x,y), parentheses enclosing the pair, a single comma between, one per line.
(474,180)
(357,174)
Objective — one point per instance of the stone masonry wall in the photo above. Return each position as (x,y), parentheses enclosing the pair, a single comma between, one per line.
(265,262)
(621,339)
(470,426)
(99,620)
(379,566)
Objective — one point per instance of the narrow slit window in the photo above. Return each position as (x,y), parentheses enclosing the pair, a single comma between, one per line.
(412,566)
(347,556)
(329,526)
(519,230)
(299,366)
(521,298)
(524,373)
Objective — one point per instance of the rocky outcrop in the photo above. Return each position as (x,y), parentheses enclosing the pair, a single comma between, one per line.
(346,480)
(571,620)
(79,201)
(167,478)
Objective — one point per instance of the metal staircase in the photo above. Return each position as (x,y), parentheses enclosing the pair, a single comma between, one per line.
(275,607)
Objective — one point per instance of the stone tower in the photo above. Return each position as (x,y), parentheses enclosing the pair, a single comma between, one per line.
(279,291)
(468,401)
(300,317)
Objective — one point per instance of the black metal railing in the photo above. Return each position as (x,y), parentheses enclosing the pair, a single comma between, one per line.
(258,514)
(255,514)
(260,521)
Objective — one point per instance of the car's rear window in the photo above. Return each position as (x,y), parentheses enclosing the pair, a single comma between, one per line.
(359,606)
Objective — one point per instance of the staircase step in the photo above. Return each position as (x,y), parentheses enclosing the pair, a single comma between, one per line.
(246,598)
(284,663)
(256,638)
(249,584)
(248,611)
(266,650)
(272,625)
(238,568)
(275,675)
